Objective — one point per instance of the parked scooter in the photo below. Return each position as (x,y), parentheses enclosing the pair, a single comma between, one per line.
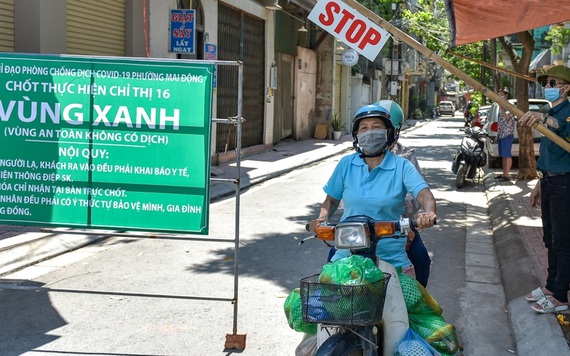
(374,317)
(470,156)
(477,121)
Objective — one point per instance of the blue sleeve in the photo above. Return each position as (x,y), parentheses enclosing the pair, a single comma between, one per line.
(413,180)
(335,185)
(340,254)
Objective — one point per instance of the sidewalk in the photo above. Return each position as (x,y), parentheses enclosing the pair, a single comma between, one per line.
(517,229)
(284,157)
(516,225)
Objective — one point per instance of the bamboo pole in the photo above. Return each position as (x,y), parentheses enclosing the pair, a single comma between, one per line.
(410,41)
(513,73)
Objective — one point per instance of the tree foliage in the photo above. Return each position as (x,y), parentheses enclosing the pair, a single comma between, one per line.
(559,37)
(382,8)
(428,22)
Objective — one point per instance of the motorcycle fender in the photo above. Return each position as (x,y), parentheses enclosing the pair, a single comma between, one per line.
(339,344)
(324,332)
(456,161)
(472,172)
(395,321)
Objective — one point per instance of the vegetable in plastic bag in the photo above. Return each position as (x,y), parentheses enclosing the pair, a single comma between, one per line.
(425,317)
(416,297)
(436,331)
(413,345)
(352,270)
(294,313)
(357,300)
(316,310)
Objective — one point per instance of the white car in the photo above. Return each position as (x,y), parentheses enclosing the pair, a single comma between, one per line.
(483,111)
(492,128)
(446,107)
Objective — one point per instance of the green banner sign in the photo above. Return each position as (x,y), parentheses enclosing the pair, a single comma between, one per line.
(105,143)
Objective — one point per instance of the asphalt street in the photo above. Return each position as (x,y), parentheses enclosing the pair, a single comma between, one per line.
(516,237)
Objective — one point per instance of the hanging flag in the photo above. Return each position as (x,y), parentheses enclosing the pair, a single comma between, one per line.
(471,21)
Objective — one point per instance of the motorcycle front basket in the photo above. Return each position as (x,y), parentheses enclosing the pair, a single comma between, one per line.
(339,304)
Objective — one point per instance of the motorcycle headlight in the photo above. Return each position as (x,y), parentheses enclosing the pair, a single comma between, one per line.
(352,235)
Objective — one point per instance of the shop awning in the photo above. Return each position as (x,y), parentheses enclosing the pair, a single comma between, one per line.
(471,21)
(541,59)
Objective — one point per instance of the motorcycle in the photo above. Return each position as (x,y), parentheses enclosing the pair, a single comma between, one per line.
(374,317)
(470,156)
(468,115)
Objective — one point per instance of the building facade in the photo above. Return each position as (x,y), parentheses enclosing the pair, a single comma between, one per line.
(293,74)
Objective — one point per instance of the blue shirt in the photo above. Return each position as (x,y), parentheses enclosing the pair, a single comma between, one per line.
(379,194)
(553,158)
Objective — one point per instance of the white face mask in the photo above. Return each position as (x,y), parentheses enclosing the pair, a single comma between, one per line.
(373,141)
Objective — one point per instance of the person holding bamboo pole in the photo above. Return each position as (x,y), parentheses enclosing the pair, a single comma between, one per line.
(552,191)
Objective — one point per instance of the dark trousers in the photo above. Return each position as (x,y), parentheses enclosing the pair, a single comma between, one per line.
(418,255)
(555,205)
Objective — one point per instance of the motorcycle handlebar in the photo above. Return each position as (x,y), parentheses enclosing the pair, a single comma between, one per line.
(413,223)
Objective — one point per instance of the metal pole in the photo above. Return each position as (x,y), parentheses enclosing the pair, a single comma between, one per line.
(238,185)
(235,341)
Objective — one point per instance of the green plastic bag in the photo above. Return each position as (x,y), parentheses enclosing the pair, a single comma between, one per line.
(436,331)
(352,270)
(417,298)
(425,316)
(294,313)
(356,286)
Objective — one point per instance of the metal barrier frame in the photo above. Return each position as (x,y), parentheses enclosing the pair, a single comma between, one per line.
(234,341)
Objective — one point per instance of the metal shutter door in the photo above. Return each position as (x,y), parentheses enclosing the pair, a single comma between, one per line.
(240,37)
(96,27)
(6,25)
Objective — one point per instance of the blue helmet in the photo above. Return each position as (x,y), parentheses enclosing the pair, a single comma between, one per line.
(372,111)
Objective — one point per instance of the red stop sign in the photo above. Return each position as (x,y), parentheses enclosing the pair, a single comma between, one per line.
(350,27)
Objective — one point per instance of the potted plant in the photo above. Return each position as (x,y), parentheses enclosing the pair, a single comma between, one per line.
(337,126)
(355,70)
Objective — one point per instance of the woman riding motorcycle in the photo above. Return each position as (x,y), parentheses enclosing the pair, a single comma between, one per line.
(417,252)
(374,182)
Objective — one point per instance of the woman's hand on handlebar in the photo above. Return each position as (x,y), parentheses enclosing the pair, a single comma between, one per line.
(425,220)
(312,226)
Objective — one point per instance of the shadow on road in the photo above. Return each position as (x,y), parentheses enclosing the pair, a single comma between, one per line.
(26,327)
